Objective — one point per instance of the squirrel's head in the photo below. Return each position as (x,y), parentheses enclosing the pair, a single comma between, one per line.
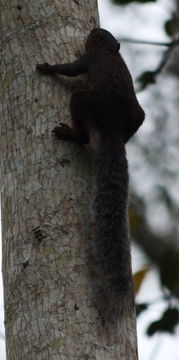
(101,38)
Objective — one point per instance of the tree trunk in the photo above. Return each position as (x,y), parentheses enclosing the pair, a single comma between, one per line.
(47,187)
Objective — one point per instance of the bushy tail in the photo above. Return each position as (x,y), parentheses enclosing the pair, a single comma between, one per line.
(111,222)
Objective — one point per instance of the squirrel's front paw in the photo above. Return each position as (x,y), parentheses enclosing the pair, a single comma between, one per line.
(62,131)
(45,69)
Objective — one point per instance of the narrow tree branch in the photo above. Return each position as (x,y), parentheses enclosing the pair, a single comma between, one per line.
(149,77)
(148,42)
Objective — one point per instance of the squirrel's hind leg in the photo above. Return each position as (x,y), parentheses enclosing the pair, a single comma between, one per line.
(80,116)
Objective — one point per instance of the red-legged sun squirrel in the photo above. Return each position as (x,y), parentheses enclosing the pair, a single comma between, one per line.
(108,105)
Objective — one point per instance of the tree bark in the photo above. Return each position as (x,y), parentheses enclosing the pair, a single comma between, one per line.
(47,187)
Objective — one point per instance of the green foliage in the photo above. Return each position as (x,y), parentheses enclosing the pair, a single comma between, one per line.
(169,269)
(168,27)
(171,26)
(147,78)
(140,308)
(126,2)
(167,322)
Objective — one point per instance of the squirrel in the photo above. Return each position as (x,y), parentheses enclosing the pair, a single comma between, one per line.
(108,105)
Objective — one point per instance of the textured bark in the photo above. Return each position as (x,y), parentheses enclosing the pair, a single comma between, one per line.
(50,311)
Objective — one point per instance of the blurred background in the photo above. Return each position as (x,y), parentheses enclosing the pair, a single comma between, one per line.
(154,168)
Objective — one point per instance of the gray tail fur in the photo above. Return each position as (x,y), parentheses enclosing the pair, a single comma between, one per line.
(110,205)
